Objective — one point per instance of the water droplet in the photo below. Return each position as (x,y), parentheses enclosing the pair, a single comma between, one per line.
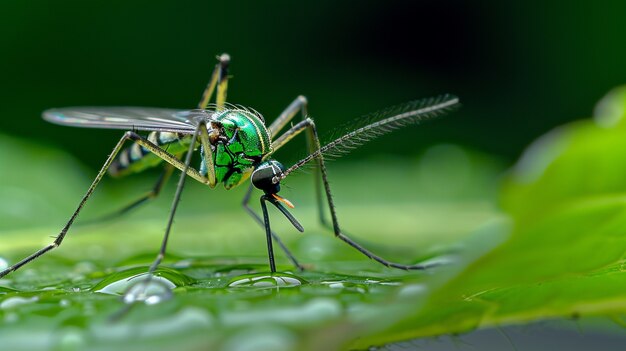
(15,301)
(4,264)
(346,286)
(264,280)
(390,283)
(120,282)
(120,287)
(335,285)
(135,286)
(149,290)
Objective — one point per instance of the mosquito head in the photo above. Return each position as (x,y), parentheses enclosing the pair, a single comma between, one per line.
(266,176)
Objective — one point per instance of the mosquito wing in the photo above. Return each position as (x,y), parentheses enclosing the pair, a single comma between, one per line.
(380,123)
(127,118)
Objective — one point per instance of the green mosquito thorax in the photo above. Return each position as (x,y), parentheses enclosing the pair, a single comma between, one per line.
(239,140)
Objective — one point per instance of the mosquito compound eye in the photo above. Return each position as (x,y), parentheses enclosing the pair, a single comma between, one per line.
(266,176)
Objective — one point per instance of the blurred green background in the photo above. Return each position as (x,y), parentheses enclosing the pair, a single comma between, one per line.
(520,68)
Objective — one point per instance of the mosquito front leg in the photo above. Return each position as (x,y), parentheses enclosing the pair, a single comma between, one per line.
(268,234)
(245,202)
(299,104)
(268,229)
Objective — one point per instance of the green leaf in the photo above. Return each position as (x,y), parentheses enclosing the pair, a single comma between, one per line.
(566,253)
(574,161)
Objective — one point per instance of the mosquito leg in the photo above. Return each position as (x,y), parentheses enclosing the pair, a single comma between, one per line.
(219,78)
(208,155)
(59,238)
(177,195)
(167,157)
(309,125)
(299,104)
(246,201)
(150,195)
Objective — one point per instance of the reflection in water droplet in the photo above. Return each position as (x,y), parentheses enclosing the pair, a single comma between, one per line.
(4,264)
(149,290)
(15,301)
(264,280)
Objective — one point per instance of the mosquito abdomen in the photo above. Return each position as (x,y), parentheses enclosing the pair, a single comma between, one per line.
(136,158)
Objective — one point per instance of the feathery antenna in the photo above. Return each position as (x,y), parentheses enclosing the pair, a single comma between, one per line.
(383,122)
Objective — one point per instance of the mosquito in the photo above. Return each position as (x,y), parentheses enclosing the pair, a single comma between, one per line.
(234,145)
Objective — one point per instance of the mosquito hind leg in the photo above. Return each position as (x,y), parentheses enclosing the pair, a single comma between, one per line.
(309,125)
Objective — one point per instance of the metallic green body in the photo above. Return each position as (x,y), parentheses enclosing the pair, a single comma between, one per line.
(242,142)
(248,141)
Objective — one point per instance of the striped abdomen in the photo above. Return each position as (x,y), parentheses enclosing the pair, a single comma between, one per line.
(136,158)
